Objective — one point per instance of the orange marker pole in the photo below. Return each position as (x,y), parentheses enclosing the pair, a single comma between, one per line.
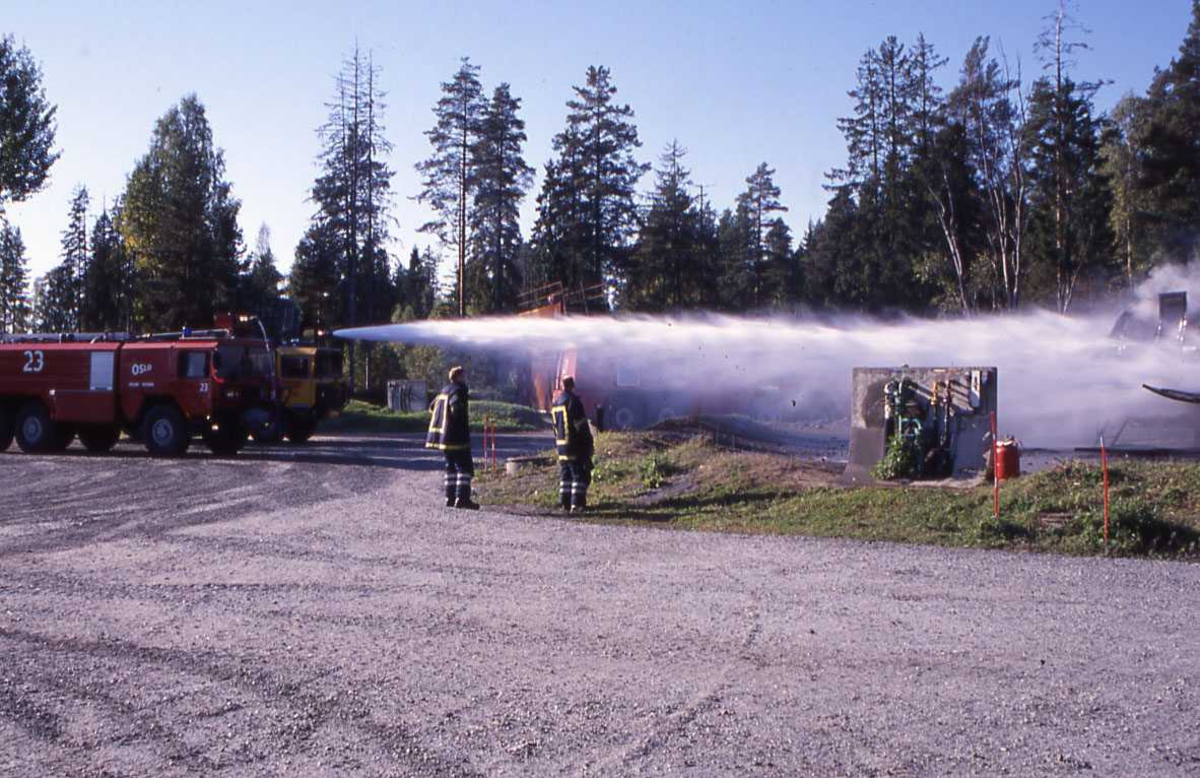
(1104,466)
(995,470)
(495,462)
(485,449)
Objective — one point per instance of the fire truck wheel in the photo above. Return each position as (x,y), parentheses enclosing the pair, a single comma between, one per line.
(299,432)
(625,414)
(6,429)
(164,431)
(271,432)
(665,413)
(34,430)
(100,439)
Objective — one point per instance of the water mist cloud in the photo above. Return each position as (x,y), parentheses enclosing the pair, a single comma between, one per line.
(1061,378)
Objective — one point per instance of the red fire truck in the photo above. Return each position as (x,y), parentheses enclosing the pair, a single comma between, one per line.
(163,389)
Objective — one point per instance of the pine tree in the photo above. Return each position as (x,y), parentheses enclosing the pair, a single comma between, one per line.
(344,252)
(587,210)
(179,224)
(27,125)
(1065,172)
(14,280)
(501,179)
(1064,156)
(448,175)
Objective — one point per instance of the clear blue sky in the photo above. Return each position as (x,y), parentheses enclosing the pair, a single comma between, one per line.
(736,83)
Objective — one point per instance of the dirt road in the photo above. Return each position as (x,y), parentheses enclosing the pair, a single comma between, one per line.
(320,614)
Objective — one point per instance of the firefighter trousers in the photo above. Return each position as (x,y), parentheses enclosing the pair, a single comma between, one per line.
(459,472)
(574,478)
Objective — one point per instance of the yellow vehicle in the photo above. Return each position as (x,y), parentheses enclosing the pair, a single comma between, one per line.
(311,388)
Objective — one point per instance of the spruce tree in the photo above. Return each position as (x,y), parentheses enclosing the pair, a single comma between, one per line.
(107,282)
(75,256)
(260,280)
(667,271)
(313,279)
(14,280)
(760,200)
(1064,155)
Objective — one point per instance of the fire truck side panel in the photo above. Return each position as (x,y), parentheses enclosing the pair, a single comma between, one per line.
(73,380)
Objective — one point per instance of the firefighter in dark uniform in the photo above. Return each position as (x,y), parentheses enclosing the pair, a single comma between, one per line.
(450,432)
(573,439)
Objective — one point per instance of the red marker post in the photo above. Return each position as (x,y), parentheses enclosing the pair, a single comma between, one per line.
(995,469)
(1104,467)
(495,462)
(485,442)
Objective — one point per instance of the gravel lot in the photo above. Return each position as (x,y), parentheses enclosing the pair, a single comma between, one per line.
(319,613)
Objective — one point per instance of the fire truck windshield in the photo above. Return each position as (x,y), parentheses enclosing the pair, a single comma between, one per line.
(240,362)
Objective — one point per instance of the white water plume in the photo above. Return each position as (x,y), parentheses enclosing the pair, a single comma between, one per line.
(1061,379)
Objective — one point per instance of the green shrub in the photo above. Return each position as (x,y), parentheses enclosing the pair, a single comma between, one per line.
(899,461)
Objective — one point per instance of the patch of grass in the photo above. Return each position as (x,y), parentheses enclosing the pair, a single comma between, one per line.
(359,416)
(694,484)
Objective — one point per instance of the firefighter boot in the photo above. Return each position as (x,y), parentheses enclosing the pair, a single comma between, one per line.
(579,499)
(565,495)
(451,483)
(463,496)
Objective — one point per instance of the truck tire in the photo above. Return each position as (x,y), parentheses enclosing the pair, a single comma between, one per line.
(300,430)
(272,431)
(6,429)
(164,431)
(624,413)
(99,439)
(35,431)
(227,439)
(664,413)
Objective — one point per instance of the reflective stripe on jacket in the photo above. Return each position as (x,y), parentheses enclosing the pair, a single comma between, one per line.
(449,420)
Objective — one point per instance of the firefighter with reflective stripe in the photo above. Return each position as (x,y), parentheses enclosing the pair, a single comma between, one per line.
(450,432)
(573,439)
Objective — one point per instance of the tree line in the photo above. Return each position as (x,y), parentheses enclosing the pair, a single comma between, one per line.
(987,190)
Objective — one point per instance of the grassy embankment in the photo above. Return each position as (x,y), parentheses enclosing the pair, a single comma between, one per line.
(694,484)
(364,417)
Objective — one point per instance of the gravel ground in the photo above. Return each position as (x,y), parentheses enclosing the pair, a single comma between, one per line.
(319,613)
